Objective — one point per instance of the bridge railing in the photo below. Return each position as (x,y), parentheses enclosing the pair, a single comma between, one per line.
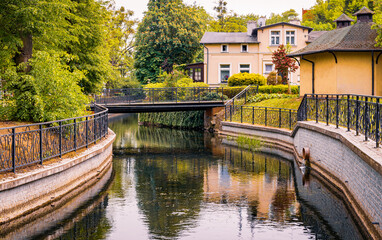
(26,145)
(233,105)
(354,112)
(160,95)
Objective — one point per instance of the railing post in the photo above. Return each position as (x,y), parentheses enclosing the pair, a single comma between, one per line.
(222,94)
(290,119)
(366,118)
(60,139)
(279,117)
(265,115)
(176,97)
(316,108)
(377,123)
(348,117)
(337,111)
(327,110)
(86,130)
(357,116)
(245,97)
(230,113)
(95,129)
(40,133)
(253,115)
(241,114)
(225,112)
(14,150)
(75,134)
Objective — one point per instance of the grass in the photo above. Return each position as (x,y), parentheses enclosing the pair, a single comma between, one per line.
(291,103)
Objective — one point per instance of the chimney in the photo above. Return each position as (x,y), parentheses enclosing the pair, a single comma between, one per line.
(364,15)
(295,22)
(261,21)
(343,21)
(250,26)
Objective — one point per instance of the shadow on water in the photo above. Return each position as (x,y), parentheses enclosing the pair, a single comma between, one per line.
(173,184)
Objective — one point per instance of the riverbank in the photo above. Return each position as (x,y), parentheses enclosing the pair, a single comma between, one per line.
(343,160)
(181,120)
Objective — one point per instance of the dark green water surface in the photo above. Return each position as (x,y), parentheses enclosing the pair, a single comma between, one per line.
(173,184)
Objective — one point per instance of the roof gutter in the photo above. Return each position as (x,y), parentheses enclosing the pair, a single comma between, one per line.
(302,57)
(208,53)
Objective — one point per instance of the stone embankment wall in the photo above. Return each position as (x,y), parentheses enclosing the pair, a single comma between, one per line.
(48,185)
(351,165)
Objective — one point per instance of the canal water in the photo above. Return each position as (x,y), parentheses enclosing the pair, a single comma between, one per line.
(174,184)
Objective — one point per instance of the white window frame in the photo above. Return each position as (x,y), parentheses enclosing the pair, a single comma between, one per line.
(222,48)
(264,67)
(219,73)
(238,67)
(280,37)
(295,36)
(241,48)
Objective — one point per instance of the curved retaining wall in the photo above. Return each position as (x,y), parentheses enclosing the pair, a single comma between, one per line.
(50,184)
(350,165)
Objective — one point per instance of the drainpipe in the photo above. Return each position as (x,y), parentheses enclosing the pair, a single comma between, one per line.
(372,73)
(302,57)
(207,62)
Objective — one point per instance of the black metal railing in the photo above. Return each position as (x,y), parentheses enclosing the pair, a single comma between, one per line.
(35,143)
(240,99)
(354,112)
(160,95)
(266,116)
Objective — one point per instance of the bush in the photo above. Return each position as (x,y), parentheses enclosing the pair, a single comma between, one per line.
(261,97)
(273,79)
(230,92)
(210,96)
(245,79)
(278,89)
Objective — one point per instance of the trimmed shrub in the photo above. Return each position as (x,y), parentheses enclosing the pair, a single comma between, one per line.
(261,97)
(245,79)
(230,92)
(273,79)
(278,89)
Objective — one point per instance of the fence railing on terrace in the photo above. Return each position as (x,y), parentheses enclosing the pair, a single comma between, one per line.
(267,116)
(35,143)
(160,95)
(240,99)
(354,112)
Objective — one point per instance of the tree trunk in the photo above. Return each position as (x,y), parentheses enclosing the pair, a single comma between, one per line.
(25,52)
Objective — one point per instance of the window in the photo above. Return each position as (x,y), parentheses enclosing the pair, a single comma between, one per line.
(290,37)
(198,74)
(268,68)
(224,48)
(244,48)
(244,68)
(275,37)
(225,71)
(191,73)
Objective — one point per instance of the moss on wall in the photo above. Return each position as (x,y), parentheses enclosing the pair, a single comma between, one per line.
(189,119)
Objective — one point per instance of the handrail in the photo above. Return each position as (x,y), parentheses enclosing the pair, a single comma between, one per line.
(239,94)
(36,143)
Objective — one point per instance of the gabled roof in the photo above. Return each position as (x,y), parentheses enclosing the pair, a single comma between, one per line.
(313,35)
(227,37)
(343,18)
(357,37)
(282,23)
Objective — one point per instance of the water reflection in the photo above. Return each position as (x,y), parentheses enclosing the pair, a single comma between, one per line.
(171,184)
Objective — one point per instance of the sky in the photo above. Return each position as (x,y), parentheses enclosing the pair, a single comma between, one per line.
(258,7)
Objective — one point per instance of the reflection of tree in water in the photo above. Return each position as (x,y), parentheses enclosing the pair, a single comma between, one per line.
(170,191)
(130,135)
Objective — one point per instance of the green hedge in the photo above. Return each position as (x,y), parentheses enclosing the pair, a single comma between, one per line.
(265,96)
(188,119)
(245,79)
(278,89)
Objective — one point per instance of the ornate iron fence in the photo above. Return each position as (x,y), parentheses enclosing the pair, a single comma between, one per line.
(34,143)
(238,100)
(160,95)
(356,112)
(267,116)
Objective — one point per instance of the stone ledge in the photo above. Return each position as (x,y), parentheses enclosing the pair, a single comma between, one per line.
(54,168)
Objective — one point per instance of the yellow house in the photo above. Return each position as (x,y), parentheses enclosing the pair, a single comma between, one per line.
(229,53)
(343,61)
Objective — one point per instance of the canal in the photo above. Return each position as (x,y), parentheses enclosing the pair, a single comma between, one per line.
(174,184)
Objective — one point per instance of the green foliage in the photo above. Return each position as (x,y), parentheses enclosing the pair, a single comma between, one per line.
(169,30)
(289,103)
(174,79)
(244,79)
(284,17)
(49,92)
(278,89)
(190,119)
(273,78)
(210,96)
(261,97)
(230,92)
(250,143)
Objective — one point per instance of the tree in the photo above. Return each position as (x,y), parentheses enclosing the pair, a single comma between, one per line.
(233,23)
(284,64)
(169,30)
(284,17)
(221,10)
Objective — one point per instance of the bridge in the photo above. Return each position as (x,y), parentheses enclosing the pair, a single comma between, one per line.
(139,100)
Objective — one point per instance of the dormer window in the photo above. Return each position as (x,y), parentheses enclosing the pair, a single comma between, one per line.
(224,48)
(290,37)
(275,37)
(244,48)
